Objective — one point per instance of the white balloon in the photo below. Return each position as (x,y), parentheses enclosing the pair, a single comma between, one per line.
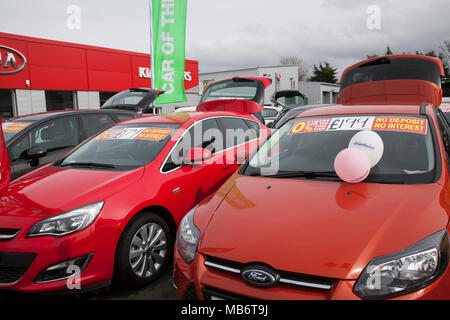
(370,143)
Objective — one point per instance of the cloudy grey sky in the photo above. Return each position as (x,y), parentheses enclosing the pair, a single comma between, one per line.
(245,33)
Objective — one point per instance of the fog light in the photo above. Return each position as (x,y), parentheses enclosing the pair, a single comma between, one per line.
(63,270)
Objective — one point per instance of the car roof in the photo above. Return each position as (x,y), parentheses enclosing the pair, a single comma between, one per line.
(182,117)
(363,109)
(49,114)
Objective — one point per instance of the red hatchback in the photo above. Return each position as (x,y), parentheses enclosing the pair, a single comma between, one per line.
(110,208)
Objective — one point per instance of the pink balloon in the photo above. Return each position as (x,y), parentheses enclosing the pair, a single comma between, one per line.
(352,165)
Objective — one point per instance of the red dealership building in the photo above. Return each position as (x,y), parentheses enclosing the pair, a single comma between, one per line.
(38,75)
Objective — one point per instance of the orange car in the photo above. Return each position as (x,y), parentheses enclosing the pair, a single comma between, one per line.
(287,225)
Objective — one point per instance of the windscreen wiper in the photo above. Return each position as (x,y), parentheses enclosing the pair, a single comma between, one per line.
(88,164)
(304,174)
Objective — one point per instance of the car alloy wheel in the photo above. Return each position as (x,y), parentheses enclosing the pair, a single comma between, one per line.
(148,250)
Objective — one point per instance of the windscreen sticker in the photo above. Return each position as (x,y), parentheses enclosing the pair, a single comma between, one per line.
(400,124)
(14,126)
(154,134)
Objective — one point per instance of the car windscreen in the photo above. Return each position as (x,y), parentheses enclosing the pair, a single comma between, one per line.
(230,89)
(393,69)
(122,147)
(312,144)
(125,98)
(11,128)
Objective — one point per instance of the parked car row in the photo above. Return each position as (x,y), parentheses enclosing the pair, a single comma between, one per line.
(339,202)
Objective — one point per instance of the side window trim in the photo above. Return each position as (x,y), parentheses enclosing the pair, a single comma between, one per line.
(221,127)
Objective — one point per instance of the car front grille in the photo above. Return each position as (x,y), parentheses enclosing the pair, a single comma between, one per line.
(286,278)
(8,234)
(13,266)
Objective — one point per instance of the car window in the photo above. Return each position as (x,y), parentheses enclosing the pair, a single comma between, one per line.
(118,117)
(126,97)
(269,113)
(16,150)
(312,144)
(236,131)
(56,133)
(444,131)
(93,123)
(229,89)
(254,127)
(12,128)
(204,134)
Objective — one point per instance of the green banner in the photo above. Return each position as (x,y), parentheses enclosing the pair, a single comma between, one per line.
(168,49)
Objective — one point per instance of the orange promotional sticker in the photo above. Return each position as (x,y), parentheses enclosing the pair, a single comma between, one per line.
(388,123)
(310,126)
(14,126)
(155,134)
(400,124)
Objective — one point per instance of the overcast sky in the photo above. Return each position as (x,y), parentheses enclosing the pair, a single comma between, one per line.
(225,34)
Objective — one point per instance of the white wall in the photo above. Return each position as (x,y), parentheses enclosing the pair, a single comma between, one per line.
(88,100)
(30,101)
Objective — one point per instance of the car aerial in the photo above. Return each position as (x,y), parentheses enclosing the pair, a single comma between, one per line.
(228,91)
(342,202)
(38,139)
(139,100)
(110,207)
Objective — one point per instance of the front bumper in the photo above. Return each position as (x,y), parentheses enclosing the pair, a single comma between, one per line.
(38,253)
(196,281)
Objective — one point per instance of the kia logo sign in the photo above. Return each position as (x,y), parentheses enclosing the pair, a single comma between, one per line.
(11,60)
(260,276)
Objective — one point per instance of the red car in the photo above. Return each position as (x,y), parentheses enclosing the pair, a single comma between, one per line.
(293,224)
(110,208)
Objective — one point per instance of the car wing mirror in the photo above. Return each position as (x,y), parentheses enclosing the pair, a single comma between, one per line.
(35,153)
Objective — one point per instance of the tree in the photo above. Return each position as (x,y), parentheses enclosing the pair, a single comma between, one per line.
(324,73)
(297,61)
(388,51)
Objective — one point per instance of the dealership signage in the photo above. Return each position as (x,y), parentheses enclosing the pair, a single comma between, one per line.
(11,60)
(168,49)
(144,72)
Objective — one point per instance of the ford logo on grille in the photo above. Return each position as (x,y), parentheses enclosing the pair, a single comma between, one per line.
(260,276)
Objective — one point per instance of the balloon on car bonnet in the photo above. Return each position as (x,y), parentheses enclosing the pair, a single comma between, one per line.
(370,143)
(352,165)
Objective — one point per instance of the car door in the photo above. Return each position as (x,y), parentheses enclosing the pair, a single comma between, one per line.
(197,181)
(57,136)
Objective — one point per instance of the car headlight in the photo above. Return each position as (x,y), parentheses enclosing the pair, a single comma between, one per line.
(406,271)
(68,222)
(188,237)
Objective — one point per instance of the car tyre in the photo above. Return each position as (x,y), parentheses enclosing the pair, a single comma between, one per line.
(144,250)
